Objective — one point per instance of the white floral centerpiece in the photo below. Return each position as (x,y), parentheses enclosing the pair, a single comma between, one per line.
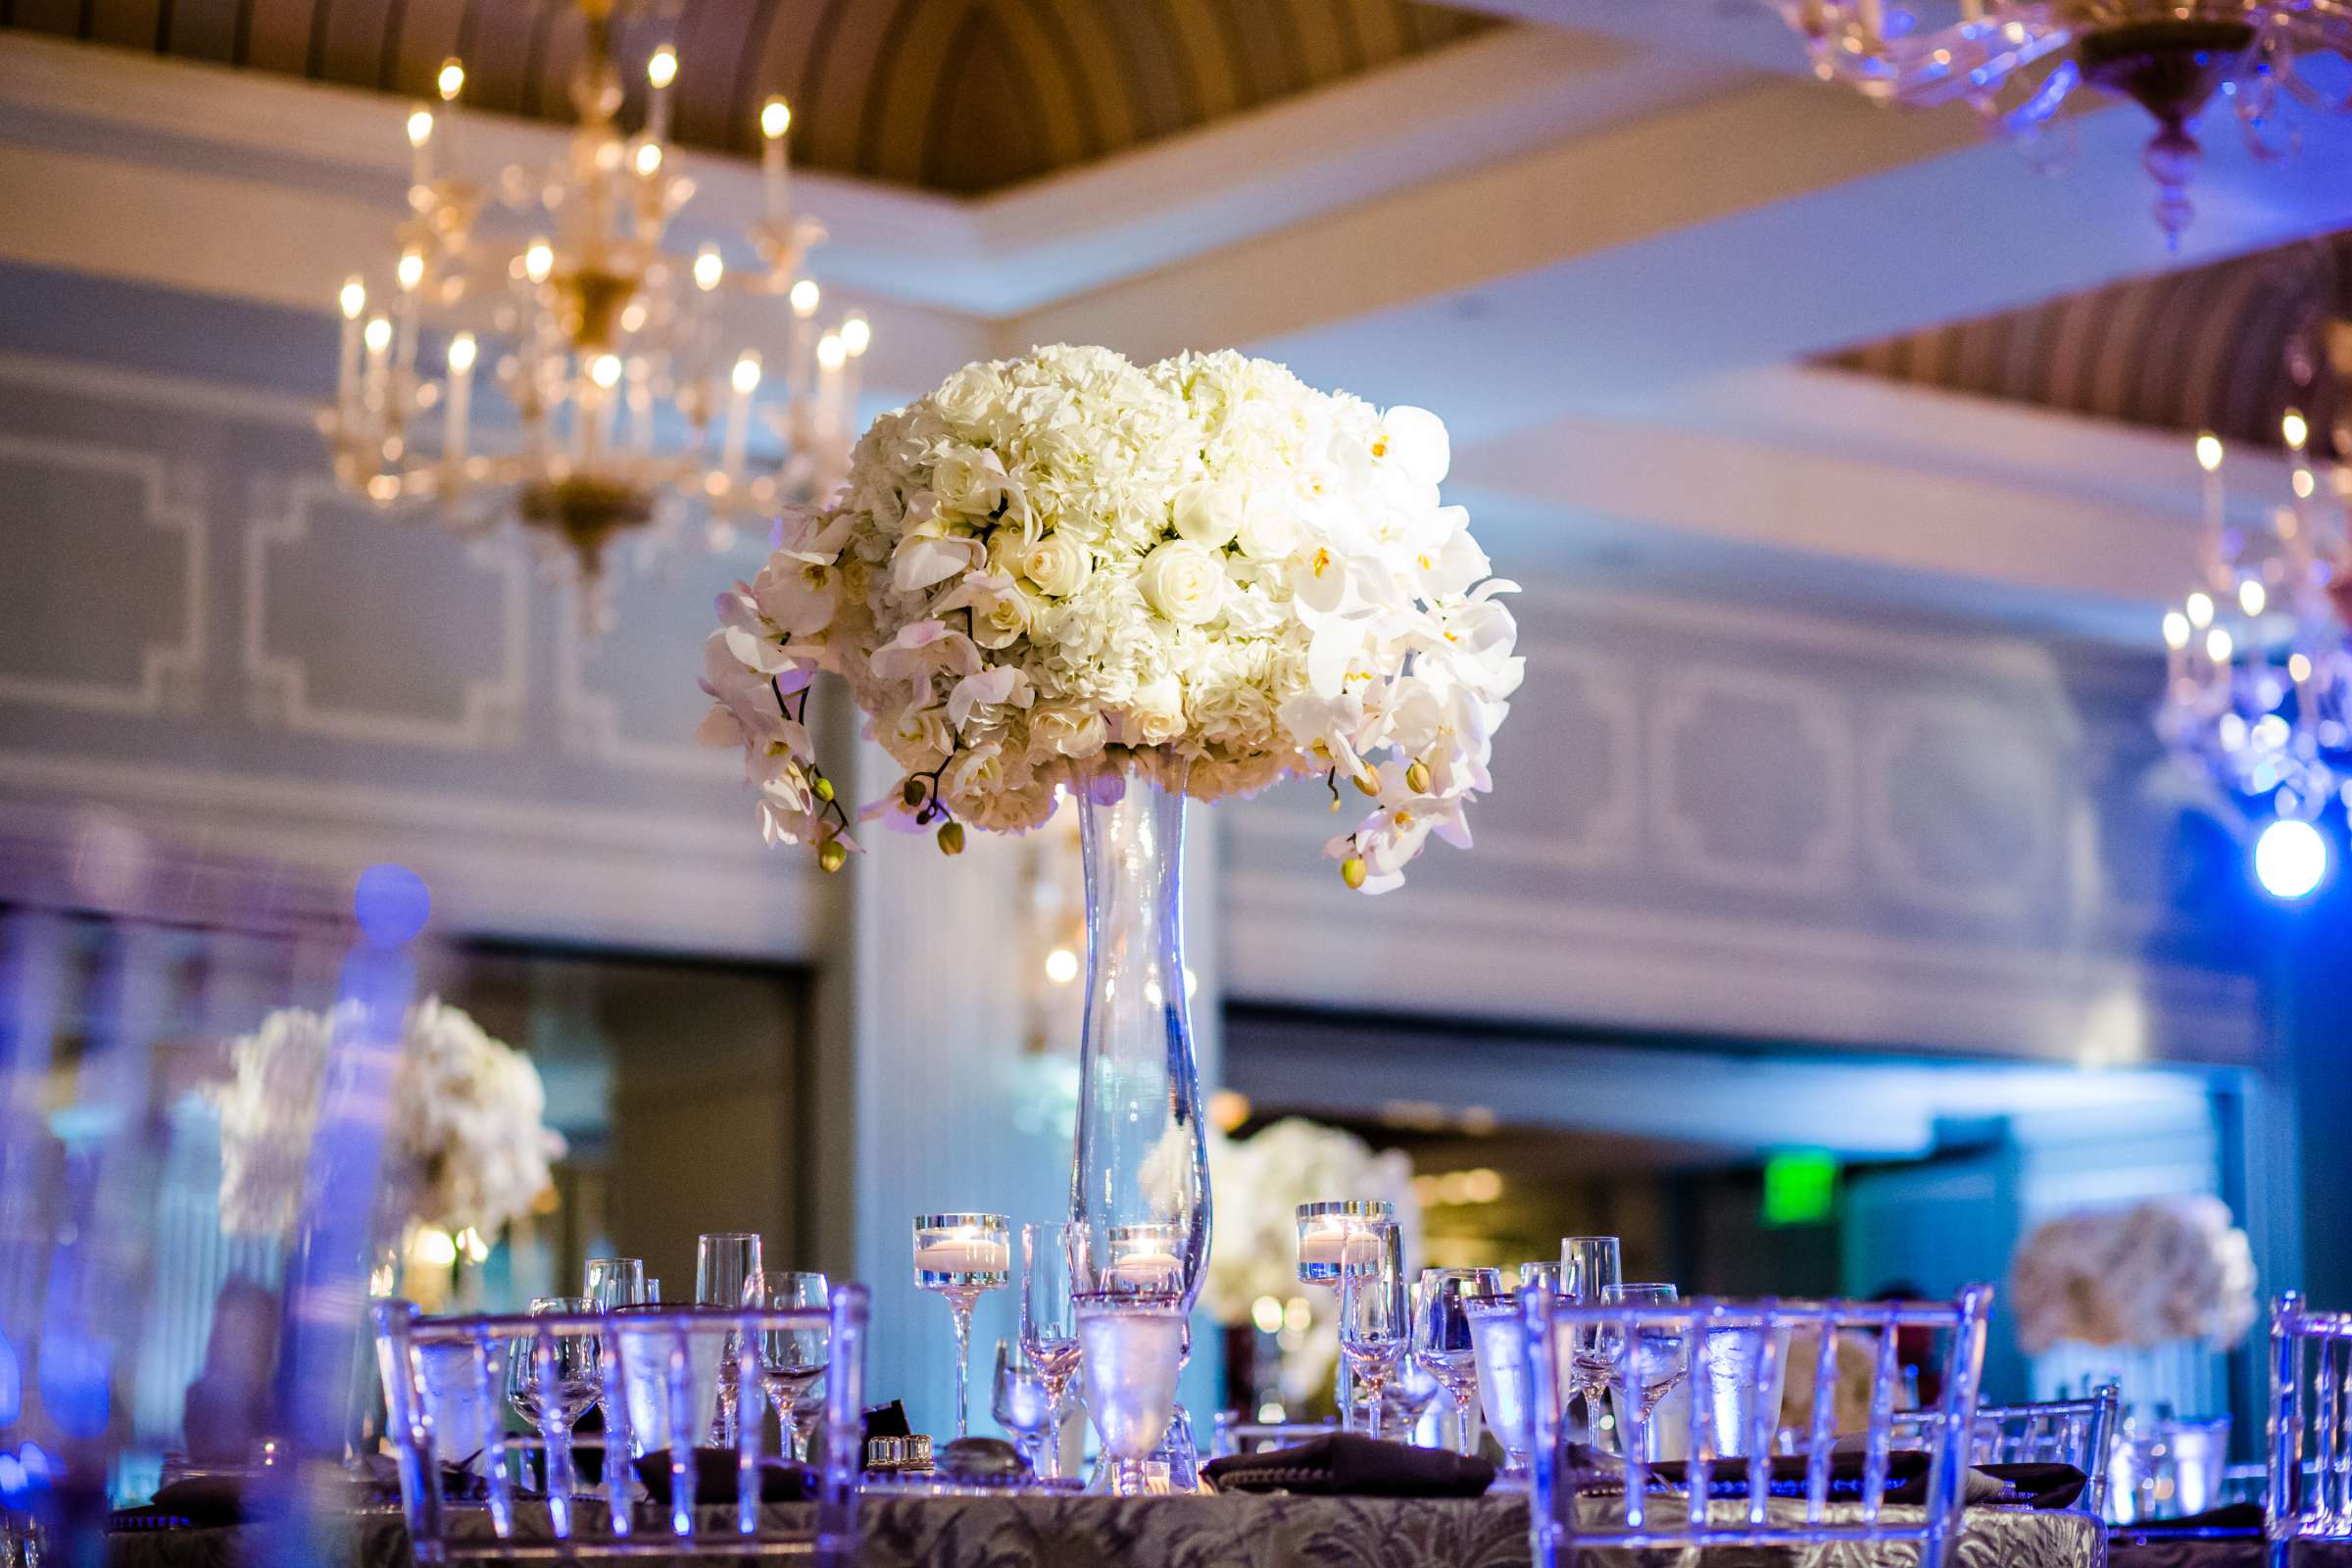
(1064,565)
(466,1145)
(2162,1272)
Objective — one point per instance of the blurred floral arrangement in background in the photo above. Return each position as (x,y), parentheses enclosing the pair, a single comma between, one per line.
(466,1146)
(2163,1271)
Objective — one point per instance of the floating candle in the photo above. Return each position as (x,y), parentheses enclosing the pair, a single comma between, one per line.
(964,1254)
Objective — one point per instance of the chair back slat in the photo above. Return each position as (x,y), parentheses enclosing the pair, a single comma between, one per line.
(2074,1432)
(678,1358)
(1732,1356)
(2307,1489)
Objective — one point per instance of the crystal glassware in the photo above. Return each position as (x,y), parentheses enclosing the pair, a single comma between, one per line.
(1375,1314)
(1132,1345)
(1499,1350)
(1050,1324)
(962,1256)
(552,1390)
(1442,1338)
(1324,1230)
(1659,1358)
(1019,1402)
(1590,1269)
(791,1361)
(611,1282)
(725,1264)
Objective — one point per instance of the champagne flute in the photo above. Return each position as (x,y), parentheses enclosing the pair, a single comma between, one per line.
(1019,1402)
(553,1405)
(1375,1317)
(791,1361)
(1441,1340)
(1505,1380)
(1590,1269)
(960,1256)
(1049,1324)
(725,1264)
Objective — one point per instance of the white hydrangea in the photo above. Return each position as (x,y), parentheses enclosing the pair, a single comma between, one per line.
(2157,1273)
(465,1144)
(1063,565)
(1261,1181)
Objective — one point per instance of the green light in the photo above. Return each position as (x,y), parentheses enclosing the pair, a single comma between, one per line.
(1800,1187)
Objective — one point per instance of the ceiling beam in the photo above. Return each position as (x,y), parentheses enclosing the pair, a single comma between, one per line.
(1747,33)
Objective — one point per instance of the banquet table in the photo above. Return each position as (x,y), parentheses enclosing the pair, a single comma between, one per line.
(1224,1532)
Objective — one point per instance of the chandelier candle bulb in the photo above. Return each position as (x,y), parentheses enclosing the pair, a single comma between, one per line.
(353,303)
(378,340)
(420,149)
(775,164)
(744,381)
(661,70)
(800,359)
(832,361)
(462,352)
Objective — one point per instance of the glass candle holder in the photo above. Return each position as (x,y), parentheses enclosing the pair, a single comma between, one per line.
(960,1256)
(1325,1233)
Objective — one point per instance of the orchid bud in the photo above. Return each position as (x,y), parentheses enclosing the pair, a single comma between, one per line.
(912,792)
(832,856)
(1368,781)
(824,789)
(1416,778)
(1352,870)
(950,839)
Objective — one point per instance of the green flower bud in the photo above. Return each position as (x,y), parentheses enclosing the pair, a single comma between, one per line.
(950,839)
(1352,870)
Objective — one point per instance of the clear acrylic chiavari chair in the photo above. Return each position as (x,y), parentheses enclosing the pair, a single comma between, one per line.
(444,1380)
(2308,1491)
(1235,1435)
(1626,1502)
(2077,1432)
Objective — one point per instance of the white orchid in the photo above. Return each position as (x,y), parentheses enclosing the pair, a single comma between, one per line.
(1062,564)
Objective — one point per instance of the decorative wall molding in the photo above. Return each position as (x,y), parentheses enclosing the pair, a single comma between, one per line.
(591,723)
(170,674)
(1825,862)
(277,683)
(1900,872)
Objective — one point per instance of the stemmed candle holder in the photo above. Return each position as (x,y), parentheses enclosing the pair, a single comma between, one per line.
(960,1256)
(1331,1234)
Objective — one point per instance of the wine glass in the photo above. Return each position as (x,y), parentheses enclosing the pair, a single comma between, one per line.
(960,1256)
(725,1264)
(1505,1380)
(1589,1270)
(613,1282)
(1441,1340)
(552,1390)
(1375,1315)
(791,1361)
(1020,1400)
(1324,1230)
(1049,1325)
(1657,1360)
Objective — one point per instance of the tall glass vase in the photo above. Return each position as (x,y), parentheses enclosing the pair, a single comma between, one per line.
(1142,1156)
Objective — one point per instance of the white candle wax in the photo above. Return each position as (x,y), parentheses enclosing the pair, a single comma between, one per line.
(347,364)
(739,426)
(1140,1269)
(776,164)
(461,402)
(1337,1244)
(964,1254)
(830,413)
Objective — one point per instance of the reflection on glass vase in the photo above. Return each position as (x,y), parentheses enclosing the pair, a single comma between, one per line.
(1142,1154)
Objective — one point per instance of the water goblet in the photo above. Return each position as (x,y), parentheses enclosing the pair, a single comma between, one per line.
(1324,1232)
(611,1282)
(1050,1324)
(1375,1317)
(791,1361)
(1657,1360)
(960,1256)
(1442,1337)
(726,1263)
(552,1382)
(1131,1346)
(1505,1379)
(1589,1270)
(1019,1402)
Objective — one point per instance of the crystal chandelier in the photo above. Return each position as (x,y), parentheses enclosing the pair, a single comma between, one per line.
(2257,688)
(2017,62)
(620,406)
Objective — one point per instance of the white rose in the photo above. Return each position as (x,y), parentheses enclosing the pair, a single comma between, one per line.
(1156,714)
(1066,729)
(977,772)
(1183,581)
(969,480)
(999,618)
(1207,514)
(1057,565)
(968,399)
(1269,529)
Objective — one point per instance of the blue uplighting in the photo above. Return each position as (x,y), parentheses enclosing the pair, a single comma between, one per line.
(391,904)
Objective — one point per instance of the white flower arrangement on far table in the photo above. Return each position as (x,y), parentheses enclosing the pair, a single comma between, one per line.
(1064,565)
(466,1147)
(2163,1271)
